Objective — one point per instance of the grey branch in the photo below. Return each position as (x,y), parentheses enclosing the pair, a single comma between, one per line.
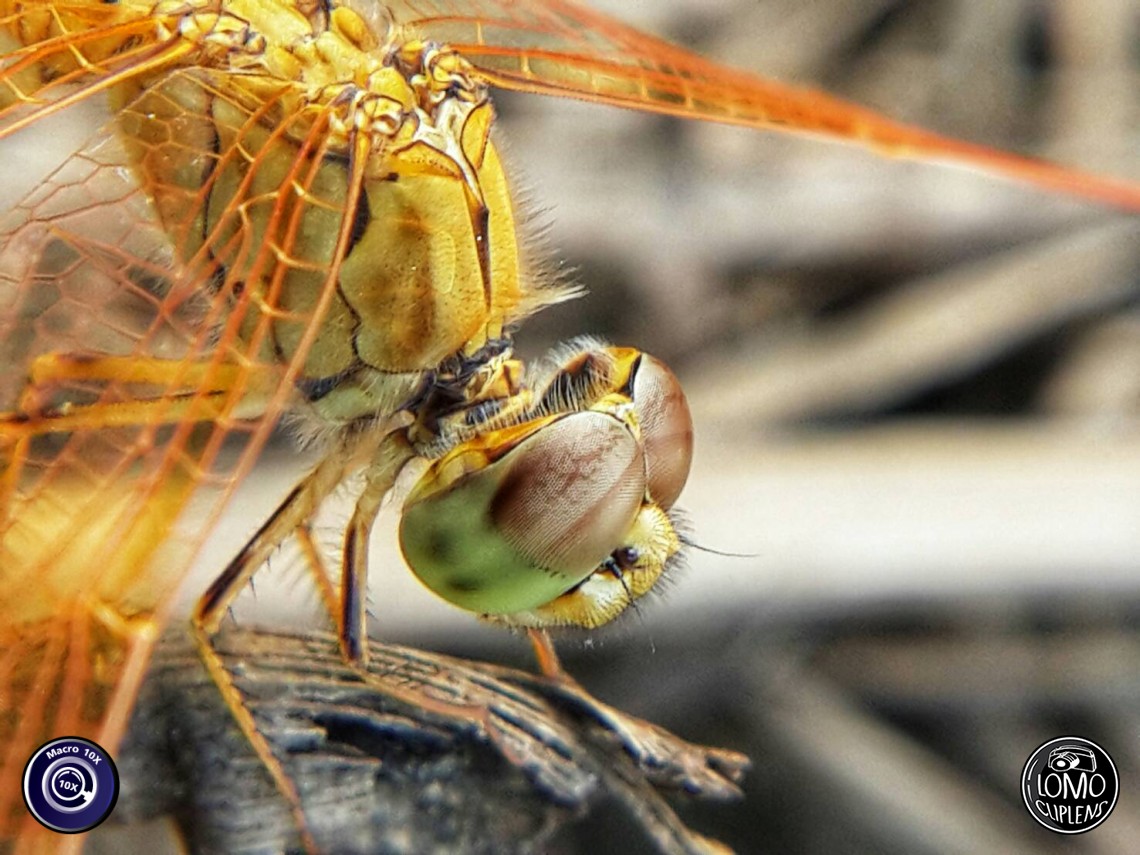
(375,774)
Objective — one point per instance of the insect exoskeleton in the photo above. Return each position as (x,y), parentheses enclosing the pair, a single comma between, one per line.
(562,517)
(364,161)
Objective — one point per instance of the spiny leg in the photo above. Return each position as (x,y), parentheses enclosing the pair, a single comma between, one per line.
(388,459)
(182,390)
(191,406)
(291,516)
(392,455)
(53,368)
(294,513)
(315,564)
(196,390)
(434,696)
(172,391)
(233,699)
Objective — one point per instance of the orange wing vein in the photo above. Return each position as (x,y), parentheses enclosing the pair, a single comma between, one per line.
(110,481)
(554,47)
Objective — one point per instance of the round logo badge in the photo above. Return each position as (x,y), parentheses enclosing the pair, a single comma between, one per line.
(70,784)
(1070,785)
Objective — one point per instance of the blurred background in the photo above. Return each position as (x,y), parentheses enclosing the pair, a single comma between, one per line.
(917,399)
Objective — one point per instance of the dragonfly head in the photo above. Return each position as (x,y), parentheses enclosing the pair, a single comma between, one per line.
(562,516)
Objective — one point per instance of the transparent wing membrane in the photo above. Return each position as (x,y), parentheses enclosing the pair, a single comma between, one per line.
(141,374)
(58,53)
(563,49)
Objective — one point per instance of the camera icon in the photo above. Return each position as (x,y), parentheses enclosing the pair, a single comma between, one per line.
(1072,758)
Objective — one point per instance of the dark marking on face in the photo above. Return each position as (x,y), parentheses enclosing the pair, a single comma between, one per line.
(441,547)
(361,219)
(464,584)
(514,505)
(627,387)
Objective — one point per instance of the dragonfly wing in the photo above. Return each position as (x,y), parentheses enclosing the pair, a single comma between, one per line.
(140,287)
(54,53)
(553,47)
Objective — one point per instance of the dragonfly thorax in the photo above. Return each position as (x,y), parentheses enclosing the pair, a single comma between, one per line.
(365,165)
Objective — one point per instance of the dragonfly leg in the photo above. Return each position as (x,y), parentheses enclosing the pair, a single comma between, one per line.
(291,517)
(548,662)
(696,767)
(318,570)
(196,406)
(182,391)
(243,715)
(293,514)
(390,457)
(49,369)
(174,391)
(14,454)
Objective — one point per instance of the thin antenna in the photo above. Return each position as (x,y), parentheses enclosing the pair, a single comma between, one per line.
(692,544)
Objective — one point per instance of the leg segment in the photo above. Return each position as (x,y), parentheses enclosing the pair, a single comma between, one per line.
(235,702)
(292,517)
(317,569)
(386,464)
(184,390)
(708,770)
(292,514)
(547,656)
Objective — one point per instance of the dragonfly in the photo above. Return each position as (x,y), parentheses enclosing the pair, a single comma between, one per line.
(297,214)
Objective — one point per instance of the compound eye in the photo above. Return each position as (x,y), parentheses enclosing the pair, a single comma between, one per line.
(571,492)
(666,429)
(522,527)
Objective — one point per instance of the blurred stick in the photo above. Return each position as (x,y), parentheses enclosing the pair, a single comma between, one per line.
(935,329)
(1023,671)
(881,779)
